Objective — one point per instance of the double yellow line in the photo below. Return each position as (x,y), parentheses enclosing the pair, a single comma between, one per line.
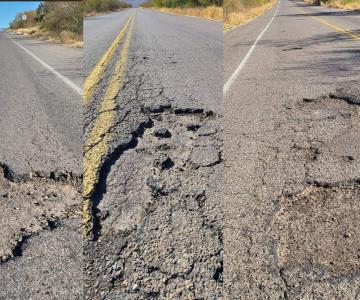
(94,78)
(96,145)
(337,28)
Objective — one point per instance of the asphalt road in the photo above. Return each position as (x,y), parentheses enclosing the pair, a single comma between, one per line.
(292,162)
(41,113)
(153,156)
(185,62)
(41,165)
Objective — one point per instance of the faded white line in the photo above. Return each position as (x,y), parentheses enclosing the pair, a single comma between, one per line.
(75,87)
(236,73)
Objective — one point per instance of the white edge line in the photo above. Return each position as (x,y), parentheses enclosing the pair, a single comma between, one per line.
(52,70)
(236,73)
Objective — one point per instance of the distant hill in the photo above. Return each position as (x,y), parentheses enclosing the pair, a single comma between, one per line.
(135,3)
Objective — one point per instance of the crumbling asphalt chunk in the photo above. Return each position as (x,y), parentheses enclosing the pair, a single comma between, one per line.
(208,128)
(156,186)
(192,126)
(351,95)
(204,156)
(163,161)
(162,132)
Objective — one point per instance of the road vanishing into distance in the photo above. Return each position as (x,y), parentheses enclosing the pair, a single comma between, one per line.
(152,156)
(40,165)
(292,154)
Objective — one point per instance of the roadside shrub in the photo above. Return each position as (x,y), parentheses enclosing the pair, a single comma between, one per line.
(56,20)
(20,23)
(62,16)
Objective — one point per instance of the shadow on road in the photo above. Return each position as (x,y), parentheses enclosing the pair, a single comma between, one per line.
(315,40)
(330,54)
(327,54)
(345,13)
(334,38)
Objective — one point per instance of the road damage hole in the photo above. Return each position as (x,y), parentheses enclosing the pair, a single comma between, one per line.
(319,227)
(154,195)
(33,205)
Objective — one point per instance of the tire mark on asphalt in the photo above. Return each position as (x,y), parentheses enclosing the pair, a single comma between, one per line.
(97,144)
(93,79)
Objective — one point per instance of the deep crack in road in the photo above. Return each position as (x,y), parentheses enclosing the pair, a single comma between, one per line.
(161,174)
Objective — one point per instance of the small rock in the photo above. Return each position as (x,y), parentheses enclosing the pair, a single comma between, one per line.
(188,110)
(163,161)
(156,187)
(192,126)
(204,156)
(162,133)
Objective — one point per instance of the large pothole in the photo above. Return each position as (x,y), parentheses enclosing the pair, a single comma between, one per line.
(27,207)
(319,227)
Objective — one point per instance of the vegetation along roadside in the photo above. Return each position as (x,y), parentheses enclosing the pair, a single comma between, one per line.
(208,9)
(239,12)
(342,4)
(56,21)
(98,7)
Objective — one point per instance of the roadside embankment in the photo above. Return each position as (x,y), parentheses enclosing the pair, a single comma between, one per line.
(342,4)
(239,12)
(207,9)
(210,12)
(54,21)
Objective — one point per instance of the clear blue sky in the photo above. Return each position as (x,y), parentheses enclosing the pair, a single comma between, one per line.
(8,11)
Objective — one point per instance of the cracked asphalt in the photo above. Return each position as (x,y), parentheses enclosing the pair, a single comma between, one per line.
(40,171)
(154,125)
(291,134)
(178,202)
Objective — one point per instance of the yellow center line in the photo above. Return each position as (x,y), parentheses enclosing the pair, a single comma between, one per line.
(97,144)
(337,28)
(93,79)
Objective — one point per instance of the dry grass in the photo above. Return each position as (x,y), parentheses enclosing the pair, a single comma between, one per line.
(342,4)
(209,12)
(65,37)
(243,16)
